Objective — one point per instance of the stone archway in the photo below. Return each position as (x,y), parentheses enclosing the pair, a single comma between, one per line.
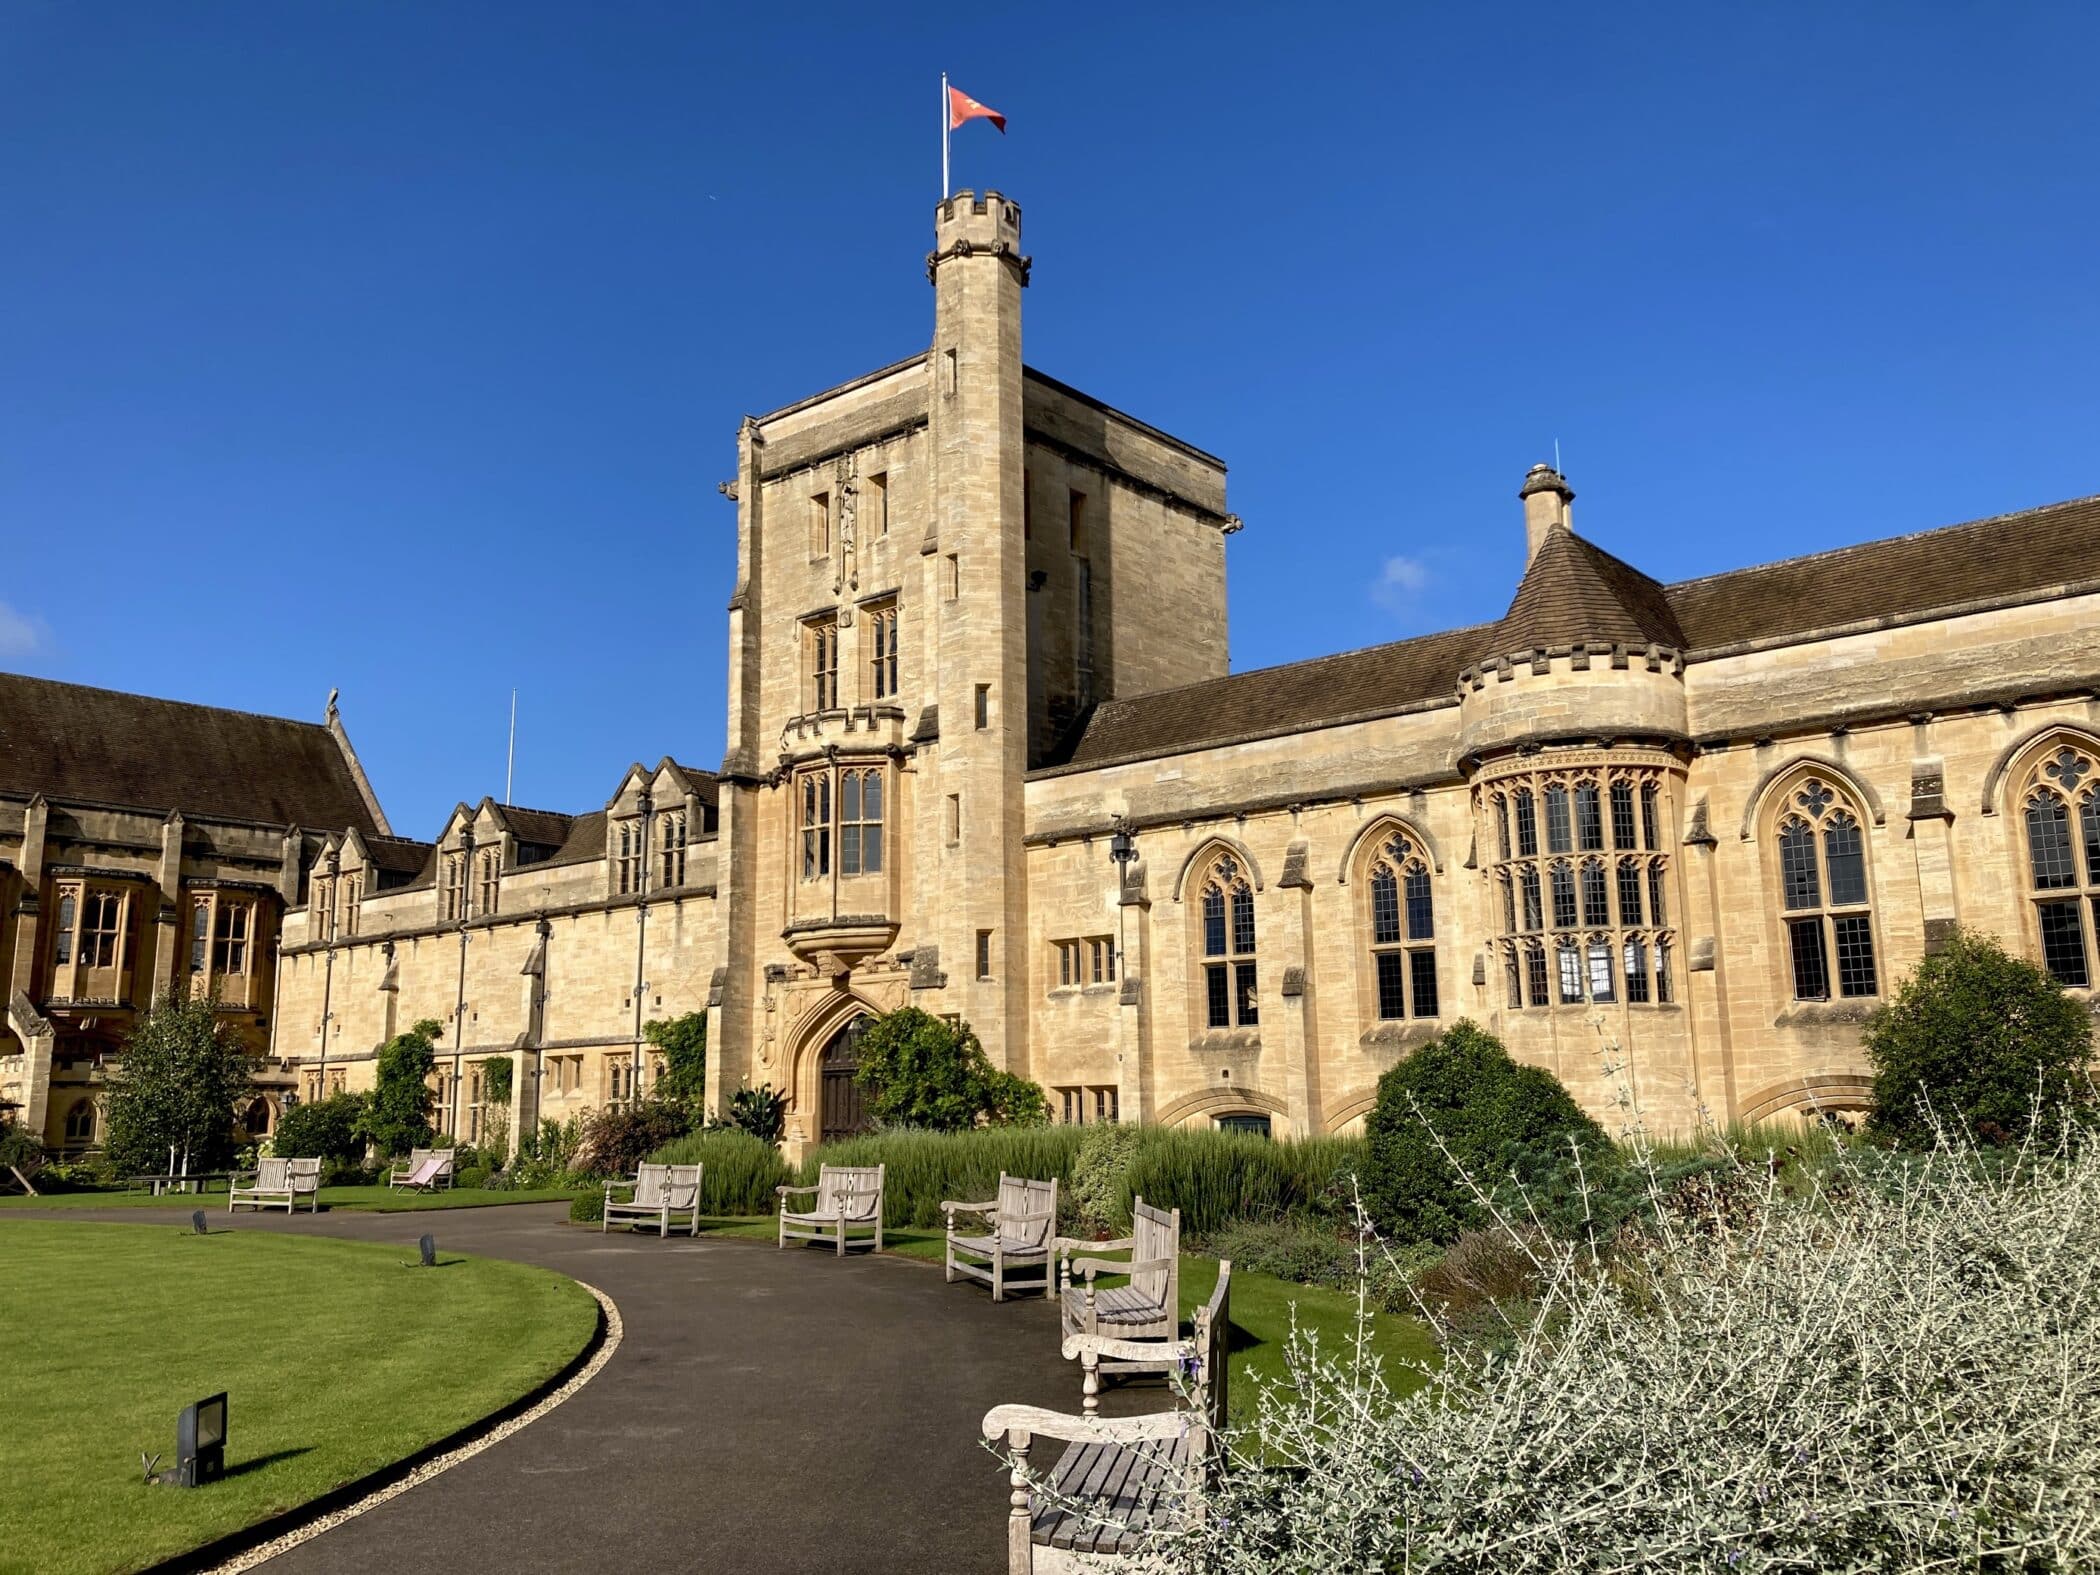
(841,1112)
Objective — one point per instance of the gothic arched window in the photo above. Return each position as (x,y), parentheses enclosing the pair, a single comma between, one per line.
(2062,811)
(1230,984)
(80,1122)
(1823,894)
(1403,931)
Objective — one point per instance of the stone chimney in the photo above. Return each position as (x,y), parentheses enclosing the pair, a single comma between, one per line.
(1547,497)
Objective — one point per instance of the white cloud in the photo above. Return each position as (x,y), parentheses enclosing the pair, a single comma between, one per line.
(20,634)
(1398,583)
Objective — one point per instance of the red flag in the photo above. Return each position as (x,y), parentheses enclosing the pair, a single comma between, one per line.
(962,107)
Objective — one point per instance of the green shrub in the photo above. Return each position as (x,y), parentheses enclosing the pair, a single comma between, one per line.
(1461,1104)
(741,1172)
(175,1085)
(1976,1040)
(20,1151)
(620,1137)
(475,1176)
(1215,1177)
(588,1206)
(760,1111)
(324,1129)
(1099,1197)
(926,1167)
(1311,1252)
(398,1117)
(918,1070)
(348,1173)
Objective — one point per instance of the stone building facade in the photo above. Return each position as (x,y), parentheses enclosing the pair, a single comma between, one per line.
(147,845)
(978,647)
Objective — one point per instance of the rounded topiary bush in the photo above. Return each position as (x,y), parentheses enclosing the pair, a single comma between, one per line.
(589,1207)
(475,1176)
(1512,1128)
(1979,1041)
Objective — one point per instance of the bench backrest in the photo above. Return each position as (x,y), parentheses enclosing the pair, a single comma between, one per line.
(271,1175)
(443,1156)
(682,1187)
(416,1156)
(852,1190)
(649,1184)
(1157,1234)
(1019,1197)
(1212,1338)
(303,1175)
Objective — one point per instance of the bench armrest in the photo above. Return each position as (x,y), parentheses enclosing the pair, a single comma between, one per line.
(1093,1266)
(784,1191)
(1161,1426)
(970,1208)
(1099,1346)
(1067,1244)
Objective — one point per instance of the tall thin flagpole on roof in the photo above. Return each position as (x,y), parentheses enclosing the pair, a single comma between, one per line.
(944,137)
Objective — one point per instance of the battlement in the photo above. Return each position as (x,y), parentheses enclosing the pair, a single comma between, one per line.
(981,216)
(1538,696)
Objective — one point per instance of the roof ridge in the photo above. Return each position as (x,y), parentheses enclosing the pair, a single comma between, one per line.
(1303,661)
(1879,541)
(187,705)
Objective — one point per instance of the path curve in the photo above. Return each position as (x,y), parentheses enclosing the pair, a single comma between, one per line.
(766,1412)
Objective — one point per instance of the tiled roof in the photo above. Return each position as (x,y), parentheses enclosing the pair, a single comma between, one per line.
(398,855)
(2003,558)
(1574,590)
(72,742)
(585,840)
(1370,682)
(538,828)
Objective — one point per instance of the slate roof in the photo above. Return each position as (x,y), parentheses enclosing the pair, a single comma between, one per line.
(398,855)
(538,828)
(1575,590)
(69,741)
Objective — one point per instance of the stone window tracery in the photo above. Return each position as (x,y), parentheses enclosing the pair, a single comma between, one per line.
(860,821)
(630,849)
(1403,931)
(671,845)
(489,881)
(882,647)
(1823,894)
(2061,808)
(229,944)
(1231,986)
(820,642)
(1583,906)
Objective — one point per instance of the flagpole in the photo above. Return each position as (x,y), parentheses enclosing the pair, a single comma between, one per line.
(945,188)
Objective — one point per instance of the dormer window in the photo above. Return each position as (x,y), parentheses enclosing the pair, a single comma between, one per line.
(452,886)
(628,853)
(671,840)
(489,879)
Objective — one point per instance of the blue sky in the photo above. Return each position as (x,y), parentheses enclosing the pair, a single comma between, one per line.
(401,347)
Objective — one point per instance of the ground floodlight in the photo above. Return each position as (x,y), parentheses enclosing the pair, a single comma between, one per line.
(200,1442)
(197,1222)
(429,1246)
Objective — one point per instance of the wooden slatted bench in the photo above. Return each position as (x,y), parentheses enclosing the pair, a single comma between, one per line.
(1119,1477)
(1148,1307)
(1019,1225)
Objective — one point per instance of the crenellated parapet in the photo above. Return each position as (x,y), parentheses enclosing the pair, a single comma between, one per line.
(970,225)
(1583,690)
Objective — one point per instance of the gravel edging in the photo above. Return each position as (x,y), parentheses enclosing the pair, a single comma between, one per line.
(245,1549)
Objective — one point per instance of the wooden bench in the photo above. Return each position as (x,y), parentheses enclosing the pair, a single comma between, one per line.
(1119,1477)
(661,1193)
(1019,1225)
(1148,1307)
(427,1170)
(849,1198)
(277,1184)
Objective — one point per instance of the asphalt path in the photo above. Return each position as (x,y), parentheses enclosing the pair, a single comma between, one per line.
(767,1411)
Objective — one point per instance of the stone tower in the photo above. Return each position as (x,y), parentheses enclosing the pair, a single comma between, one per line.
(972,892)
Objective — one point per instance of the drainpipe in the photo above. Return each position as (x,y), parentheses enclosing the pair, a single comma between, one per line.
(641,944)
(459,1008)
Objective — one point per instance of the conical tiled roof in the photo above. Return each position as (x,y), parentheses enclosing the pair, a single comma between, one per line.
(1574,591)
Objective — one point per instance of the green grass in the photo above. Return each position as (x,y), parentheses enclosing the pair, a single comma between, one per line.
(1262,1308)
(336,1360)
(375,1200)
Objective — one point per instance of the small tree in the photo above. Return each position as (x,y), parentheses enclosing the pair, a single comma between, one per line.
(497,1073)
(398,1118)
(918,1070)
(683,1041)
(1512,1128)
(1979,1040)
(620,1137)
(325,1129)
(181,1073)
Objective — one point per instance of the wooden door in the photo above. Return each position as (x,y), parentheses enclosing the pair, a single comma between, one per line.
(842,1109)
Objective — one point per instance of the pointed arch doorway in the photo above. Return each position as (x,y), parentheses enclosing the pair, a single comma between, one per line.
(841,1113)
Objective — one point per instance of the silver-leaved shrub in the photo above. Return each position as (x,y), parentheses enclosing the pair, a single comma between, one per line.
(1898,1369)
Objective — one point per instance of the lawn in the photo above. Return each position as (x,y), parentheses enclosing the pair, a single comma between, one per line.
(1262,1308)
(377,1200)
(336,1359)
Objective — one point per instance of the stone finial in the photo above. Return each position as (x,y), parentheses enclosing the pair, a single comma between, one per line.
(1547,498)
